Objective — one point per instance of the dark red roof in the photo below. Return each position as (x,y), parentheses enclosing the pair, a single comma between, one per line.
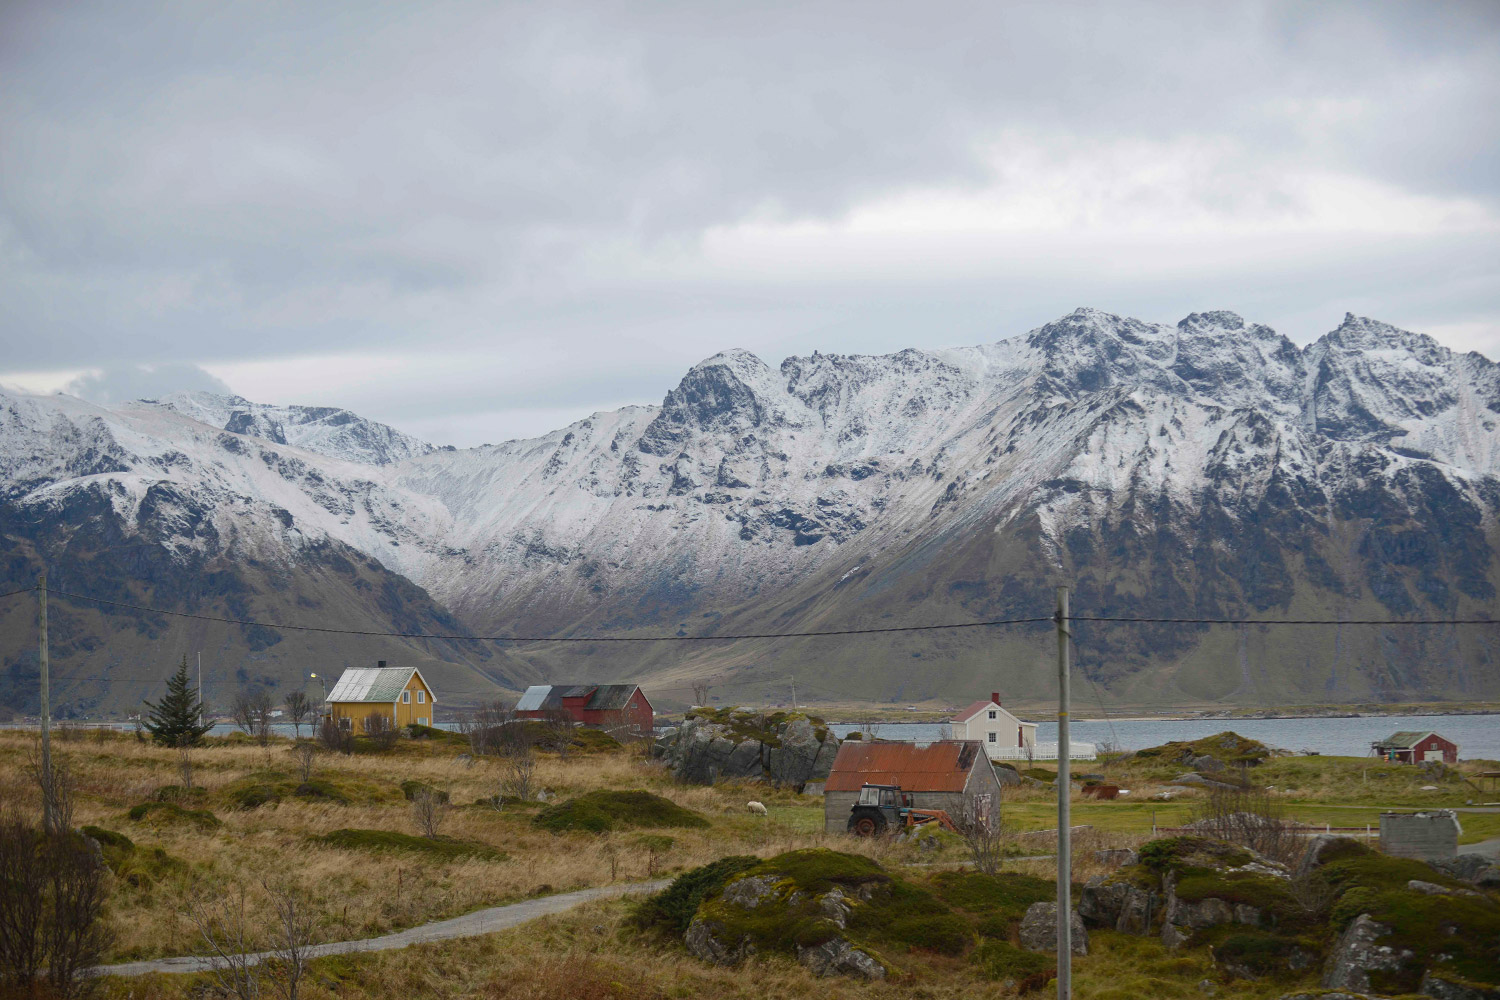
(937,767)
(972,710)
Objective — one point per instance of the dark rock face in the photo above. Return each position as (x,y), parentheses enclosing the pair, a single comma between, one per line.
(1119,904)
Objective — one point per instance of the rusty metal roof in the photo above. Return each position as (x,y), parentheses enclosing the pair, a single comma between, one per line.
(937,767)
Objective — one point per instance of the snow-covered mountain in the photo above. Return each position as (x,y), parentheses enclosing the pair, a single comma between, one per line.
(1206,469)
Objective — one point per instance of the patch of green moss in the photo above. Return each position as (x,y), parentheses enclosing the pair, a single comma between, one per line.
(171,812)
(944,933)
(1040,774)
(601,811)
(1179,853)
(252,796)
(411,788)
(1271,895)
(999,959)
(1261,953)
(138,866)
(1453,934)
(671,910)
(322,791)
(445,848)
(418,732)
(1003,898)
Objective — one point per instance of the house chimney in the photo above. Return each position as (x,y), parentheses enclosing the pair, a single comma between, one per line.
(380,663)
(995,697)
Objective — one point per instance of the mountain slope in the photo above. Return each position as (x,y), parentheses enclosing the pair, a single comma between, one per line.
(1207,469)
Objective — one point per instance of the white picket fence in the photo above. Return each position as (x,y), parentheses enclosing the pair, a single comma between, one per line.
(1041,751)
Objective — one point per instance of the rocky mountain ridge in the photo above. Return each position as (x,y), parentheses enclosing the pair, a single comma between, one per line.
(1206,469)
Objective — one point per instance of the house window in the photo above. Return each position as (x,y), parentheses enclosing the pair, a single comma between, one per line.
(421,697)
(992,737)
(422,721)
(992,715)
(406,697)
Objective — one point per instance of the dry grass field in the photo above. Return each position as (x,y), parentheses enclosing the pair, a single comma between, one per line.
(484,857)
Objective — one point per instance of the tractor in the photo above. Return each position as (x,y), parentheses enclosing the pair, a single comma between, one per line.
(886,809)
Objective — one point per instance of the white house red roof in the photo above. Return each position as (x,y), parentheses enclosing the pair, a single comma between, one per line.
(973,710)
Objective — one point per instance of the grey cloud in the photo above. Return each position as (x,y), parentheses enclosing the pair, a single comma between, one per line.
(127,382)
(263,180)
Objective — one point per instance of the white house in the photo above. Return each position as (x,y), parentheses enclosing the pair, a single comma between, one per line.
(990,724)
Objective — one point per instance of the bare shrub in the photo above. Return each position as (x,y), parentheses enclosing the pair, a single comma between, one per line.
(983,834)
(185,766)
(558,722)
(700,693)
(337,734)
(519,772)
(52,893)
(55,784)
(1250,817)
(305,755)
(428,810)
(220,920)
(486,726)
(291,938)
(251,710)
(298,711)
(381,730)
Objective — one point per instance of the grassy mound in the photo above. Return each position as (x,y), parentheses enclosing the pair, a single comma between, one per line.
(172,813)
(411,788)
(446,848)
(270,787)
(746,724)
(599,812)
(1000,901)
(1226,747)
(140,867)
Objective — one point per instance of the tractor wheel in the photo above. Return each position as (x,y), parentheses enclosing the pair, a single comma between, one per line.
(867,825)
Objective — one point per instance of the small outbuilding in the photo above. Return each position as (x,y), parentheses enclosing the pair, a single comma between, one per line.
(400,694)
(1415,746)
(955,775)
(604,706)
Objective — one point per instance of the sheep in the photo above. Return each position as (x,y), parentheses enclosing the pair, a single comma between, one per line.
(756,808)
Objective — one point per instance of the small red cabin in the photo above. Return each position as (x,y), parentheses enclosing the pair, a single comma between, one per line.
(1414,747)
(603,706)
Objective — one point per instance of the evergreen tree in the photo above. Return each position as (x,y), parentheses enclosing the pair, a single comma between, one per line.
(174,719)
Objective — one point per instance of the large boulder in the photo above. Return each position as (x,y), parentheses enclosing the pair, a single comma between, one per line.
(1117,903)
(1359,952)
(783,748)
(1039,930)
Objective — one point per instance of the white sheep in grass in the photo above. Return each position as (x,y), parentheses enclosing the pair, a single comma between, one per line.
(756,808)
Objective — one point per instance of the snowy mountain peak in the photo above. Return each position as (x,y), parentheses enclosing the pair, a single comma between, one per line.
(323,430)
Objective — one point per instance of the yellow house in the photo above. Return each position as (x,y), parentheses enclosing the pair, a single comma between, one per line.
(400,694)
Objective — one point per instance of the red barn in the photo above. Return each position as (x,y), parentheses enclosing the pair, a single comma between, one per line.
(604,706)
(1414,747)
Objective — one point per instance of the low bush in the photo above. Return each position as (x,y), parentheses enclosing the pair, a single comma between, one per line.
(999,959)
(599,812)
(411,788)
(1004,897)
(137,866)
(321,791)
(253,796)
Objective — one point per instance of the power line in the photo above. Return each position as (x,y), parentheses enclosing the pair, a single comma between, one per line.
(18,593)
(1288,621)
(548,638)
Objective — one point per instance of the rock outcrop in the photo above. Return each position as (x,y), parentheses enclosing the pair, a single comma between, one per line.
(1039,930)
(1359,952)
(788,749)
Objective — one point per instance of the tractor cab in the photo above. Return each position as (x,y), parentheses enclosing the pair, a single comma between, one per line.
(886,808)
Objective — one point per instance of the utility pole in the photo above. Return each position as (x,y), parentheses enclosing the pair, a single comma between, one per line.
(200,687)
(1064,818)
(46,698)
(794,694)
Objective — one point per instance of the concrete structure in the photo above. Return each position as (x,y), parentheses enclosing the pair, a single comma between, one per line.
(612,707)
(1415,746)
(952,775)
(990,724)
(1431,835)
(401,694)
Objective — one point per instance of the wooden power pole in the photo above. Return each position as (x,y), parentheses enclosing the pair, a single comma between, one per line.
(1064,817)
(46,698)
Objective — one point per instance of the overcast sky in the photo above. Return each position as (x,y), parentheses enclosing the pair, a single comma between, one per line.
(484,221)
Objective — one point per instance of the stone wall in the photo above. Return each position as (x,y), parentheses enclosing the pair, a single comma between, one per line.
(1427,836)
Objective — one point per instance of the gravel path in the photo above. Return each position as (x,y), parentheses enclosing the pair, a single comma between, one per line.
(496,918)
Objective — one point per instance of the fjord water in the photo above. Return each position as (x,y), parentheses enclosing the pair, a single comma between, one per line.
(1478,736)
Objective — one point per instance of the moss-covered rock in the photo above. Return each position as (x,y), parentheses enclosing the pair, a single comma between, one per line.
(602,811)
(671,910)
(1226,748)
(786,748)
(141,867)
(835,913)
